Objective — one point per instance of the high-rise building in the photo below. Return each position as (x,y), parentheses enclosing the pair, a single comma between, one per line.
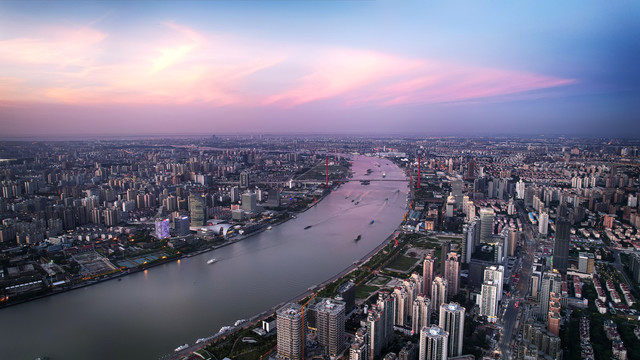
(196,209)
(451,203)
(244,180)
(486,225)
(561,246)
(400,295)
(110,217)
(234,194)
(359,349)
(427,274)
(543,222)
(445,247)
(488,301)
(452,321)
(291,332)
(495,273)
(347,292)
(421,313)
(551,282)
(386,304)
(471,239)
(249,202)
(375,332)
(409,352)
(452,274)
(162,229)
(330,319)
(513,241)
(181,225)
(520,190)
(511,207)
(438,292)
(553,323)
(585,262)
(433,343)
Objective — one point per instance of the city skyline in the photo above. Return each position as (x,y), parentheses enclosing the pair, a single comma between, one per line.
(332,67)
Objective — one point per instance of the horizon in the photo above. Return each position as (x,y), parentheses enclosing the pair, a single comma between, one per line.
(84,69)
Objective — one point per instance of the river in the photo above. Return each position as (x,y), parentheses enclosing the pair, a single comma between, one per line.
(148,314)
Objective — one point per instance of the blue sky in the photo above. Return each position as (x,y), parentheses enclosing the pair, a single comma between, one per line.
(433,68)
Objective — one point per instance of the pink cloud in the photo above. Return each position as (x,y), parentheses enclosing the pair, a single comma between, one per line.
(180,65)
(55,46)
(340,71)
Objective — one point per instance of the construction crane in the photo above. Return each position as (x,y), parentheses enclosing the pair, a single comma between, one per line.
(302,312)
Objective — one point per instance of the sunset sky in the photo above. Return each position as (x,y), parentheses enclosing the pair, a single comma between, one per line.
(321,66)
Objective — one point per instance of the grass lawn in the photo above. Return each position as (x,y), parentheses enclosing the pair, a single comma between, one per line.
(380,281)
(363,291)
(402,263)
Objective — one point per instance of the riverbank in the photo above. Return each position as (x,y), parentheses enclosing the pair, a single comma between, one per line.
(51,291)
(255,320)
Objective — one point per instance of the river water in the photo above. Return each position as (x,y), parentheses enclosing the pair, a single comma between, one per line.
(148,314)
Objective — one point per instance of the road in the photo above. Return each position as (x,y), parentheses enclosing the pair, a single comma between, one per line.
(520,291)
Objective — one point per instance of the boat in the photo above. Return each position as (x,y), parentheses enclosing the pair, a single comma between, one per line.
(212,261)
(306,227)
(372,221)
(238,322)
(358,238)
(269,227)
(200,340)
(384,174)
(181,347)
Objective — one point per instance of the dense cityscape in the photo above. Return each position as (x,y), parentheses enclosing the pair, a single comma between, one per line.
(508,248)
(319,180)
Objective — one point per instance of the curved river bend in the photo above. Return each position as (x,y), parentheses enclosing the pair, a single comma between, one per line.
(146,315)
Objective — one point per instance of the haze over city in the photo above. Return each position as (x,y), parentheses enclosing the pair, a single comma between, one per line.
(70,69)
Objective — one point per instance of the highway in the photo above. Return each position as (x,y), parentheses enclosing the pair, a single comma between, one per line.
(520,292)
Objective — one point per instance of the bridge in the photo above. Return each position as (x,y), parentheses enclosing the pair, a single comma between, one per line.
(310,181)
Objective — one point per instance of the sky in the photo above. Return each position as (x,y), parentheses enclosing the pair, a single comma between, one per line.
(86,68)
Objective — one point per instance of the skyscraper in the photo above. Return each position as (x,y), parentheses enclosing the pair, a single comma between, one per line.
(470,240)
(561,246)
(421,313)
(181,225)
(427,274)
(196,209)
(489,300)
(249,202)
(162,228)
(543,222)
(330,319)
(513,240)
(291,332)
(359,349)
(520,188)
(375,332)
(452,321)
(234,194)
(433,343)
(495,273)
(486,225)
(386,304)
(551,282)
(445,247)
(438,292)
(400,295)
(244,180)
(452,274)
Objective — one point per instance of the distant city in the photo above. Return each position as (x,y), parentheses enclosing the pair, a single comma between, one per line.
(488,248)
